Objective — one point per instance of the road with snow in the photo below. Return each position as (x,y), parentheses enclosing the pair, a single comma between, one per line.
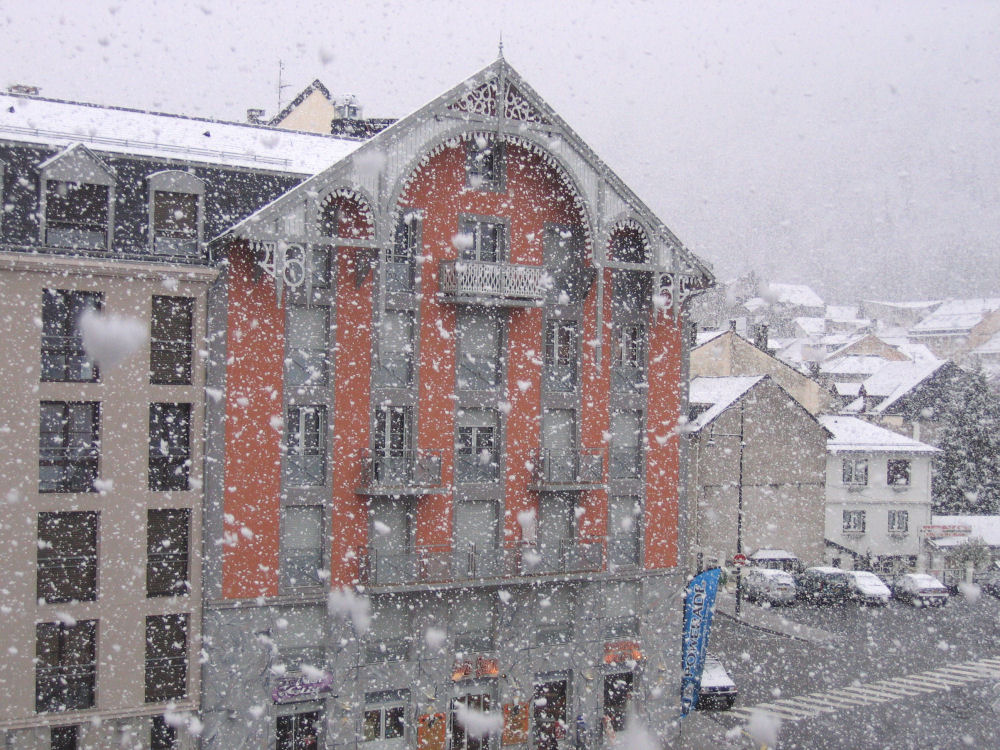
(893,677)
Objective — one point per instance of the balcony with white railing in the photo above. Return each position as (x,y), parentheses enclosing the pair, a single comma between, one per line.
(476,282)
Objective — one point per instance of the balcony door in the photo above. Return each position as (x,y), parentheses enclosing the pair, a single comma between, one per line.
(390,536)
(391,442)
(475,546)
(559,445)
(556,522)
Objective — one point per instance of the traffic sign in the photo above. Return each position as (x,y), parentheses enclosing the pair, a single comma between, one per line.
(739,559)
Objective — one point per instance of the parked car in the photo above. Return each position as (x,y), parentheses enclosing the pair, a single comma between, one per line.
(868,588)
(776,559)
(989,582)
(921,589)
(766,585)
(717,688)
(822,585)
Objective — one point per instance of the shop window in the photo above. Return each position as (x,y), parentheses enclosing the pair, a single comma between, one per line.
(299,731)
(385,716)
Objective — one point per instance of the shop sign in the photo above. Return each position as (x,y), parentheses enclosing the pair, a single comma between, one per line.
(482,666)
(940,531)
(299,687)
(620,651)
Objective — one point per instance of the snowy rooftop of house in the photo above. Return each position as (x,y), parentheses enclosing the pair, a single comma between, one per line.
(842,313)
(705,336)
(772,554)
(717,395)
(990,346)
(812,326)
(847,389)
(986,528)
(956,316)
(128,131)
(853,434)
(897,378)
(911,305)
(853,364)
(794,294)
(755,303)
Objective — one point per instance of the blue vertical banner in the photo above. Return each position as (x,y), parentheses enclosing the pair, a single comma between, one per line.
(699,606)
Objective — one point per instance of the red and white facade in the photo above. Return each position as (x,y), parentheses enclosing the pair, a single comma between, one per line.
(453,367)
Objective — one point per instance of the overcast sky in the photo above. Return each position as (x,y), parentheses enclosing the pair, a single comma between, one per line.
(853,146)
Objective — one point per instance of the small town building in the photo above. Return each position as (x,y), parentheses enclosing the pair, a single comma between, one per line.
(878,496)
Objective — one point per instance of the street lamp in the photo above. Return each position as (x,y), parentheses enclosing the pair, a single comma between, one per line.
(712,434)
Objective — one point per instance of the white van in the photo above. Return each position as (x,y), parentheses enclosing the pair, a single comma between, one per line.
(766,585)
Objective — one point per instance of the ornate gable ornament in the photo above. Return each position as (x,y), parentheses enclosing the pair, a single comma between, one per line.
(483,101)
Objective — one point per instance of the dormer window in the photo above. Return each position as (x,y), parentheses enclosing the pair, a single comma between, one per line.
(76,215)
(176,210)
(485,164)
(77,201)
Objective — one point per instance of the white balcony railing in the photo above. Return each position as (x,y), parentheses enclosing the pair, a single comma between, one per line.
(500,282)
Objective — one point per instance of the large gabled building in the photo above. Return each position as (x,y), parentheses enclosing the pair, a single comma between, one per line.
(454,367)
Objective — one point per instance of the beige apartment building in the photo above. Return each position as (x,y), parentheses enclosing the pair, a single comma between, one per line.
(102,479)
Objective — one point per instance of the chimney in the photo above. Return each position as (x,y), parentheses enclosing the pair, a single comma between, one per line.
(255,116)
(21,88)
(760,336)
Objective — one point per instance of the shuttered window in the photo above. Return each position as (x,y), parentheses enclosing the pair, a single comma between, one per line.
(171,341)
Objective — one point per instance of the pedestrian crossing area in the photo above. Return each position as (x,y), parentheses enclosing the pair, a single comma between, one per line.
(881,691)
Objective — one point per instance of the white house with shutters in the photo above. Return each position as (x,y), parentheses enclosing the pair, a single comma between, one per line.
(878,495)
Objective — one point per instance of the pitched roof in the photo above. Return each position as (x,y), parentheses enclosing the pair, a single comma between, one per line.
(853,434)
(717,395)
(895,380)
(478,103)
(794,294)
(955,316)
(118,130)
(315,86)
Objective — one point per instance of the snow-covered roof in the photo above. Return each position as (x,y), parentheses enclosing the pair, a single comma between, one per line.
(705,336)
(956,316)
(847,389)
(986,528)
(773,554)
(842,313)
(896,379)
(990,346)
(853,434)
(853,364)
(117,130)
(910,305)
(811,326)
(755,303)
(717,394)
(794,294)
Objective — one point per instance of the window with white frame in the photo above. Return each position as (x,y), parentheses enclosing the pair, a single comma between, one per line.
(897,472)
(854,521)
(306,457)
(855,471)
(476,456)
(484,240)
(385,716)
(899,521)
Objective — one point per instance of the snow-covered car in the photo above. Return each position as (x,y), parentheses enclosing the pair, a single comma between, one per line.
(868,588)
(823,585)
(717,688)
(766,585)
(921,589)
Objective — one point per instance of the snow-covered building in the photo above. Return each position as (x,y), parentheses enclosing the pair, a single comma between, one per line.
(958,325)
(878,495)
(454,367)
(110,210)
(756,470)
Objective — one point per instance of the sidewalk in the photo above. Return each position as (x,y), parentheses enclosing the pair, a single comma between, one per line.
(701,732)
(772,620)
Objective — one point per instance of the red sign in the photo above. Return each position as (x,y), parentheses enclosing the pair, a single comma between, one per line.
(620,651)
(940,531)
(739,559)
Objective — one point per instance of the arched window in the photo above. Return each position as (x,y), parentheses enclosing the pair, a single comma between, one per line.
(629,244)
